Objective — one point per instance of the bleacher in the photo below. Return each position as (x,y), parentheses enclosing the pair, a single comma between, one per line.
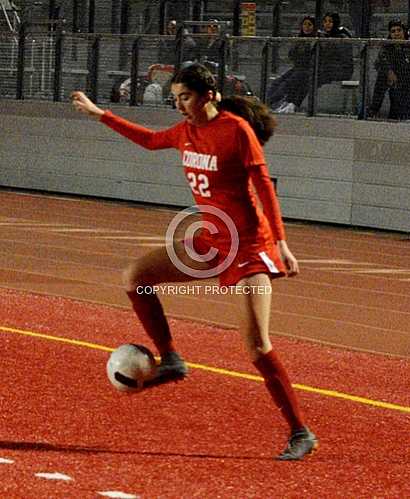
(142,16)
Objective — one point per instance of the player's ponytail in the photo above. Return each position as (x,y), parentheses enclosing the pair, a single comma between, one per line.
(254,112)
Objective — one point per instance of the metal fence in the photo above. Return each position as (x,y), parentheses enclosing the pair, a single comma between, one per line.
(341,77)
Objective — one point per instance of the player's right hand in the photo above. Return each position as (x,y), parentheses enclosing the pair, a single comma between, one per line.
(292,265)
(83,104)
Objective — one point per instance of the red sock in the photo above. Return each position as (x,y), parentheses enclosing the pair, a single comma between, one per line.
(151,314)
(279,386)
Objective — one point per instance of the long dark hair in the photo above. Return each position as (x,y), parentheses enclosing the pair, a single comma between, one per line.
(197,78)
(313,21)
(334,16)
(254,112)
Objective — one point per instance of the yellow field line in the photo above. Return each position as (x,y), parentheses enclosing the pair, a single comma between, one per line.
(225,372)
(56,338)
(306,388)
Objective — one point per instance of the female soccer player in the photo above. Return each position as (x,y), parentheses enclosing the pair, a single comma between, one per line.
(223,160)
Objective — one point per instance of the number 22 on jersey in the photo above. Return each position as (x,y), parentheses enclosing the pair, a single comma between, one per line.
(199,184)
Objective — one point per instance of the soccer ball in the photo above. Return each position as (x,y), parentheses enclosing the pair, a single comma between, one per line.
(129,366)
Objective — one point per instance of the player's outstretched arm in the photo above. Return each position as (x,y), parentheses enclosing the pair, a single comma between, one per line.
(142,136)
(83,104)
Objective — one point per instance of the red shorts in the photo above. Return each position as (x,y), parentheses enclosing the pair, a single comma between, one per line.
(252,258)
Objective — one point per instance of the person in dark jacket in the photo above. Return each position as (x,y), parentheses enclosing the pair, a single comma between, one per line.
(335,58)
(335,61)
(393,74)
(169,45)
(287,92)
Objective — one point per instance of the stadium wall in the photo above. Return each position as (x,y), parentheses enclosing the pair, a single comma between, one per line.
(327,169)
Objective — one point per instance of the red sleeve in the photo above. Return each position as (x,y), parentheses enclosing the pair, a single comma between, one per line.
(145,137)
(251,151)
(254,160)
(271,208)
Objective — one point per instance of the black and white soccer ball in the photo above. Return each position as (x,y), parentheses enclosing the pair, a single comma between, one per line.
(129,366)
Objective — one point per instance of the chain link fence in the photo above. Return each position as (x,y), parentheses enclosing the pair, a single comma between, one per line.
(344,77)
(8,65)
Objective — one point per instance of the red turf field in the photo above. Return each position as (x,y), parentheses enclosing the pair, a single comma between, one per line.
(213,435)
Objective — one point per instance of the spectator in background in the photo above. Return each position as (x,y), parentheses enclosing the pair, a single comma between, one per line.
(335,61)
(287,92)
(211,44)
(171,28)
(393,74)
(190,50)
(169,46)
(335,58)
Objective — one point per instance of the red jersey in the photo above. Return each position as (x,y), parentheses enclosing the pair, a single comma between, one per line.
(220,159)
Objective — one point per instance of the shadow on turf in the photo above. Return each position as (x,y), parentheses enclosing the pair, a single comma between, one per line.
(45,447)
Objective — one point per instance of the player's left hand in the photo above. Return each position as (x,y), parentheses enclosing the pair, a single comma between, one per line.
(83,104)
(288,259)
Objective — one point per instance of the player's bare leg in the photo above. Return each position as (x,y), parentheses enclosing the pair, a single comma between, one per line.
(255,333)
(139,278)
(255,308)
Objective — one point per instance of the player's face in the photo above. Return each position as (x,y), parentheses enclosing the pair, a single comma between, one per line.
(190,104)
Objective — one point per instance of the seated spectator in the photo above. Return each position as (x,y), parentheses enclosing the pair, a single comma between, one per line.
(335,62)
(171,28)
(393,75)
(287,92)
(335,59)
(169,46)
(190,50)
(211,44)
